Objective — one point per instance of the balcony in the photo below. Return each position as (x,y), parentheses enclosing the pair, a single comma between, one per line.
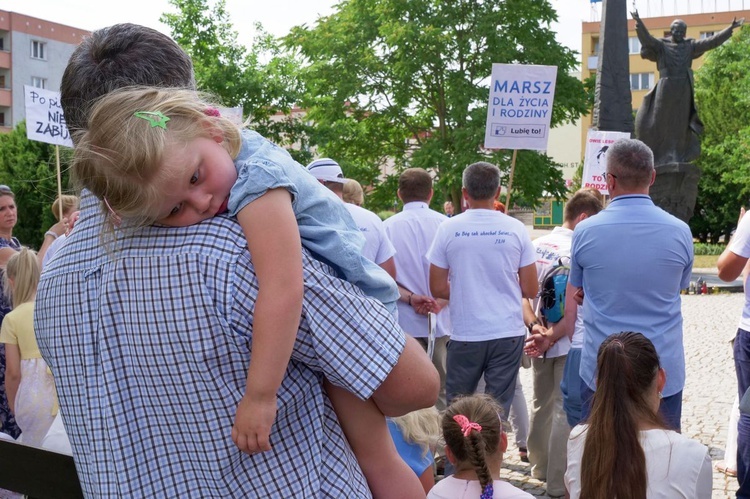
(593,62)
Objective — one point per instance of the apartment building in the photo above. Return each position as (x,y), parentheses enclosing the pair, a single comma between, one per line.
(643,73)
(32,52)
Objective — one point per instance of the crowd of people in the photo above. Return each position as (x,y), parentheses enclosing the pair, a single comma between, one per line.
(323,351)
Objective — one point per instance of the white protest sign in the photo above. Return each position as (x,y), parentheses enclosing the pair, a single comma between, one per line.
(44,117)
(595,158)
(520,106)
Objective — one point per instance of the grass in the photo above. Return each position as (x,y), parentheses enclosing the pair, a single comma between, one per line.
(705,261)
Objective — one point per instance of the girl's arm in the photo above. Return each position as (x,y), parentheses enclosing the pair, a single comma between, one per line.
(273,238)
(12,373)
(53,233)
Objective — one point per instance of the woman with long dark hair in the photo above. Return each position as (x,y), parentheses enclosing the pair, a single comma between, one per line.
(626,451)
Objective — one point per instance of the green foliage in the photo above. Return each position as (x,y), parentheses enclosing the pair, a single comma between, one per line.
(385,214)
(29,168)
(406,81)
(722,93)
(262,80)
(708,249)
(577,180)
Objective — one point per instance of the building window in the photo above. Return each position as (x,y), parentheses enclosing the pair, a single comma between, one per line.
(2,119)
(2,81)
(634,45)
(595,46)
(641,81)
(38,50)
(37,82)
(2,43)
(707,34)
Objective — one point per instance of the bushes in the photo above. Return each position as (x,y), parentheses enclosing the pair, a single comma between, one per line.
(708,249)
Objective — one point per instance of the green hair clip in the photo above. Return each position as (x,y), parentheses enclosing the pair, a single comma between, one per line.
(156,119)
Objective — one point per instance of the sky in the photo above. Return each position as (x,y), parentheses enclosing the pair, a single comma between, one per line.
(278,16)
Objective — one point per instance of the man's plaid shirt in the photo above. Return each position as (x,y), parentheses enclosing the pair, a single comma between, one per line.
(150,344)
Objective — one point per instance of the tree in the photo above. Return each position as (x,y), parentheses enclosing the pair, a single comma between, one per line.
(29,168)
(406,82)
(263,80)
(722,95)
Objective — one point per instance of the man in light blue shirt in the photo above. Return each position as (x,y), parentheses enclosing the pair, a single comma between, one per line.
(631,261)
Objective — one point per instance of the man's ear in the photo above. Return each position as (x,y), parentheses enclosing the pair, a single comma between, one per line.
(398,194)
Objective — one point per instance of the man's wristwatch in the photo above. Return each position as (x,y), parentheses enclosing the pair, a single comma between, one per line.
(531,325)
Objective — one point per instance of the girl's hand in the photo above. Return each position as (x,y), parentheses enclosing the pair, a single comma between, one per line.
(252,423)
(72,221)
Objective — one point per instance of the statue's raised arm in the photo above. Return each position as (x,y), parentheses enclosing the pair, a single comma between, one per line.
(649,45)
(706,44)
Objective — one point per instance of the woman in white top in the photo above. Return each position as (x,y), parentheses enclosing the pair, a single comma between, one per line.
(625,450)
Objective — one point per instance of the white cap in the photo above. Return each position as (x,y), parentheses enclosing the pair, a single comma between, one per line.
(326,170)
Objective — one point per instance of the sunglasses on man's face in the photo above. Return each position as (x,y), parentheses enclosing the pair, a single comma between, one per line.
(5,189)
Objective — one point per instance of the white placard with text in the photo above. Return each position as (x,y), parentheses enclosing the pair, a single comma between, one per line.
(44,117)
(520,106)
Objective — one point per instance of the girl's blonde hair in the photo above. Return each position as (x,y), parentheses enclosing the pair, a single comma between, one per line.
(68,202)
(420,427)
(119,156)
(23,268)
(353,192)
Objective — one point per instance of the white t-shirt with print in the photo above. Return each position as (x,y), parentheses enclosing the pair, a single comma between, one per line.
(549,250)
(483,251)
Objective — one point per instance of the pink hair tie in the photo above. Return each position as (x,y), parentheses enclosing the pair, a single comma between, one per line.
(465,424)
(211,111)
(115,217)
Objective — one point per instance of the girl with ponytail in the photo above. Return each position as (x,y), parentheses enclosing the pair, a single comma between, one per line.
(625,451)
(474,445)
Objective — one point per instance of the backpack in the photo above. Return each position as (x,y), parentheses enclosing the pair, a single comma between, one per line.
(552,292)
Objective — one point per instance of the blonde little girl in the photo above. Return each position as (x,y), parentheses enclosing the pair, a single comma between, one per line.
(28,380)
(166,156)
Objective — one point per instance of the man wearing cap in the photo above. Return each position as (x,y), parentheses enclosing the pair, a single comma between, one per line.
(378,247)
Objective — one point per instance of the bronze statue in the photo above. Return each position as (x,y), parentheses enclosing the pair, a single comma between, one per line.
(667,121)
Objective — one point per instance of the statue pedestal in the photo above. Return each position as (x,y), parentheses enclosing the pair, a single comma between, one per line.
(676,189)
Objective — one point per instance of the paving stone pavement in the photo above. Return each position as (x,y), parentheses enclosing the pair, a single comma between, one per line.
(710,322)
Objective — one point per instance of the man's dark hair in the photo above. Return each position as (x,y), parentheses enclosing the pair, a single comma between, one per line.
(582,202)
(415,184)
(119,56)
(481,180)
